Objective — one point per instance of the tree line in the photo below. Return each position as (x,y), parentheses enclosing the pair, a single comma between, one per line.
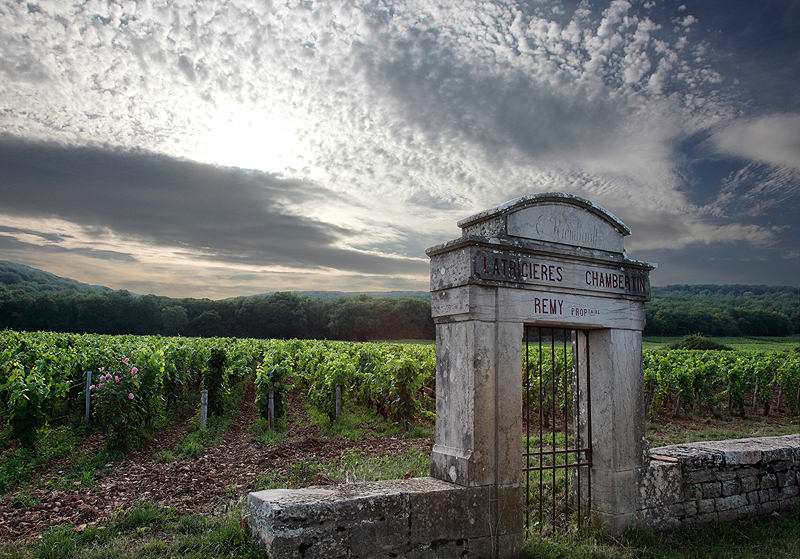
(33,300)
(723,310)
(281,315)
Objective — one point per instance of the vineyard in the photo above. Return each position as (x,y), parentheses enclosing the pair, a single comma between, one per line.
(142,438)
(721,382)
(134,381)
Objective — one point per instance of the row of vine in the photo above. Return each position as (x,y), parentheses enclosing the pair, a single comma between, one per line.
(136,379)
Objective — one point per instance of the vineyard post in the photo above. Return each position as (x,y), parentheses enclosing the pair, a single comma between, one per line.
(203,408)
(271,407)
(88,396)
(338,402)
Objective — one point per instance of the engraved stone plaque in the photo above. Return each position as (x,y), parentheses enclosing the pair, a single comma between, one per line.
(565,224)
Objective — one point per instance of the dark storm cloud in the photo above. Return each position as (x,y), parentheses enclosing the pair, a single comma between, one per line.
(12,243)
(51,237)
(230,215)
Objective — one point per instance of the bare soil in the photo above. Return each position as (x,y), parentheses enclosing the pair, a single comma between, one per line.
(223,474)
(227,472)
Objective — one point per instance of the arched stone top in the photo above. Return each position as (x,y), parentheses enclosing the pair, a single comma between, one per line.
(549,243)
(553,217)
(546,198)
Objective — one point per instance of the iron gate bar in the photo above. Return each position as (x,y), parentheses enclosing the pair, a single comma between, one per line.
(558,374)
(588,432)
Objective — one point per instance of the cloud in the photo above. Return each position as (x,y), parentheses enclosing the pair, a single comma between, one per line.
(362,131)
(773,139)
(221,214)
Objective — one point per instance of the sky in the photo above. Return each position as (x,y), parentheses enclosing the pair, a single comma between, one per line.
(224,148)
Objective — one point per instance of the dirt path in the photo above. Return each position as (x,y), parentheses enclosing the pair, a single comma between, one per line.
(224,473)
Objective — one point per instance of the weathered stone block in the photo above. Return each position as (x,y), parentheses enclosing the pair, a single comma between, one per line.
(750,483)
(731,487)
(421,518)
(782,448)
(781,466)
(689,508)
(729,503)
(705,506)
(701,476)
(769,481)
(711,490)
(747,472)
(768,507)
(735,452)
(785,479)
(725,475)
(663,484)
(790,491)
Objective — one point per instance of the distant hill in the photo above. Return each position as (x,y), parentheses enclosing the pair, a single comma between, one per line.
(723,310)
(334,295)
(30,280)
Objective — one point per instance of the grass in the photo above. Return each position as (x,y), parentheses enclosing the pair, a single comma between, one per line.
(19,465)
(358,421)
(353,466)
(146,530)
(195,442)
(669,433)
(746,343)
(772,537)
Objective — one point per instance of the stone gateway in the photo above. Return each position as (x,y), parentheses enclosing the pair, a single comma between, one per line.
(551,260)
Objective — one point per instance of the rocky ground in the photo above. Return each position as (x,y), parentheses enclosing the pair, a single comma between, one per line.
(223,474)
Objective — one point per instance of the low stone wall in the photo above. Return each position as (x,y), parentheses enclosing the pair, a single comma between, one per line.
(418,518)
(723,480)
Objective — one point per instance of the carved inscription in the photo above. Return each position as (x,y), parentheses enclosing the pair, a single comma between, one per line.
(616,280)
(523,269)
(554,226)
(544,305)
(555,306)
(504,266)
(583,311)
(564,224)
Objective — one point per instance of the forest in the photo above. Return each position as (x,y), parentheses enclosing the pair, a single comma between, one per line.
(723,310)
(32,300)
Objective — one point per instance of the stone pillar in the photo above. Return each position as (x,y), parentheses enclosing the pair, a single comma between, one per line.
(619,445)
(478,419)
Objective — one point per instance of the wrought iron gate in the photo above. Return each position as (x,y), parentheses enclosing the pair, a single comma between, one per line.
(557,429)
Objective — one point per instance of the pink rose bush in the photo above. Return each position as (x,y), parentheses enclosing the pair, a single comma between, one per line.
(117,409)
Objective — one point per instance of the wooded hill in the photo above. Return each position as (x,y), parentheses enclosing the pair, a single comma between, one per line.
(35,300)
(723,310)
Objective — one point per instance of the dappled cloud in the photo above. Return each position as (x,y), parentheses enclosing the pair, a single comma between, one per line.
(337,140)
